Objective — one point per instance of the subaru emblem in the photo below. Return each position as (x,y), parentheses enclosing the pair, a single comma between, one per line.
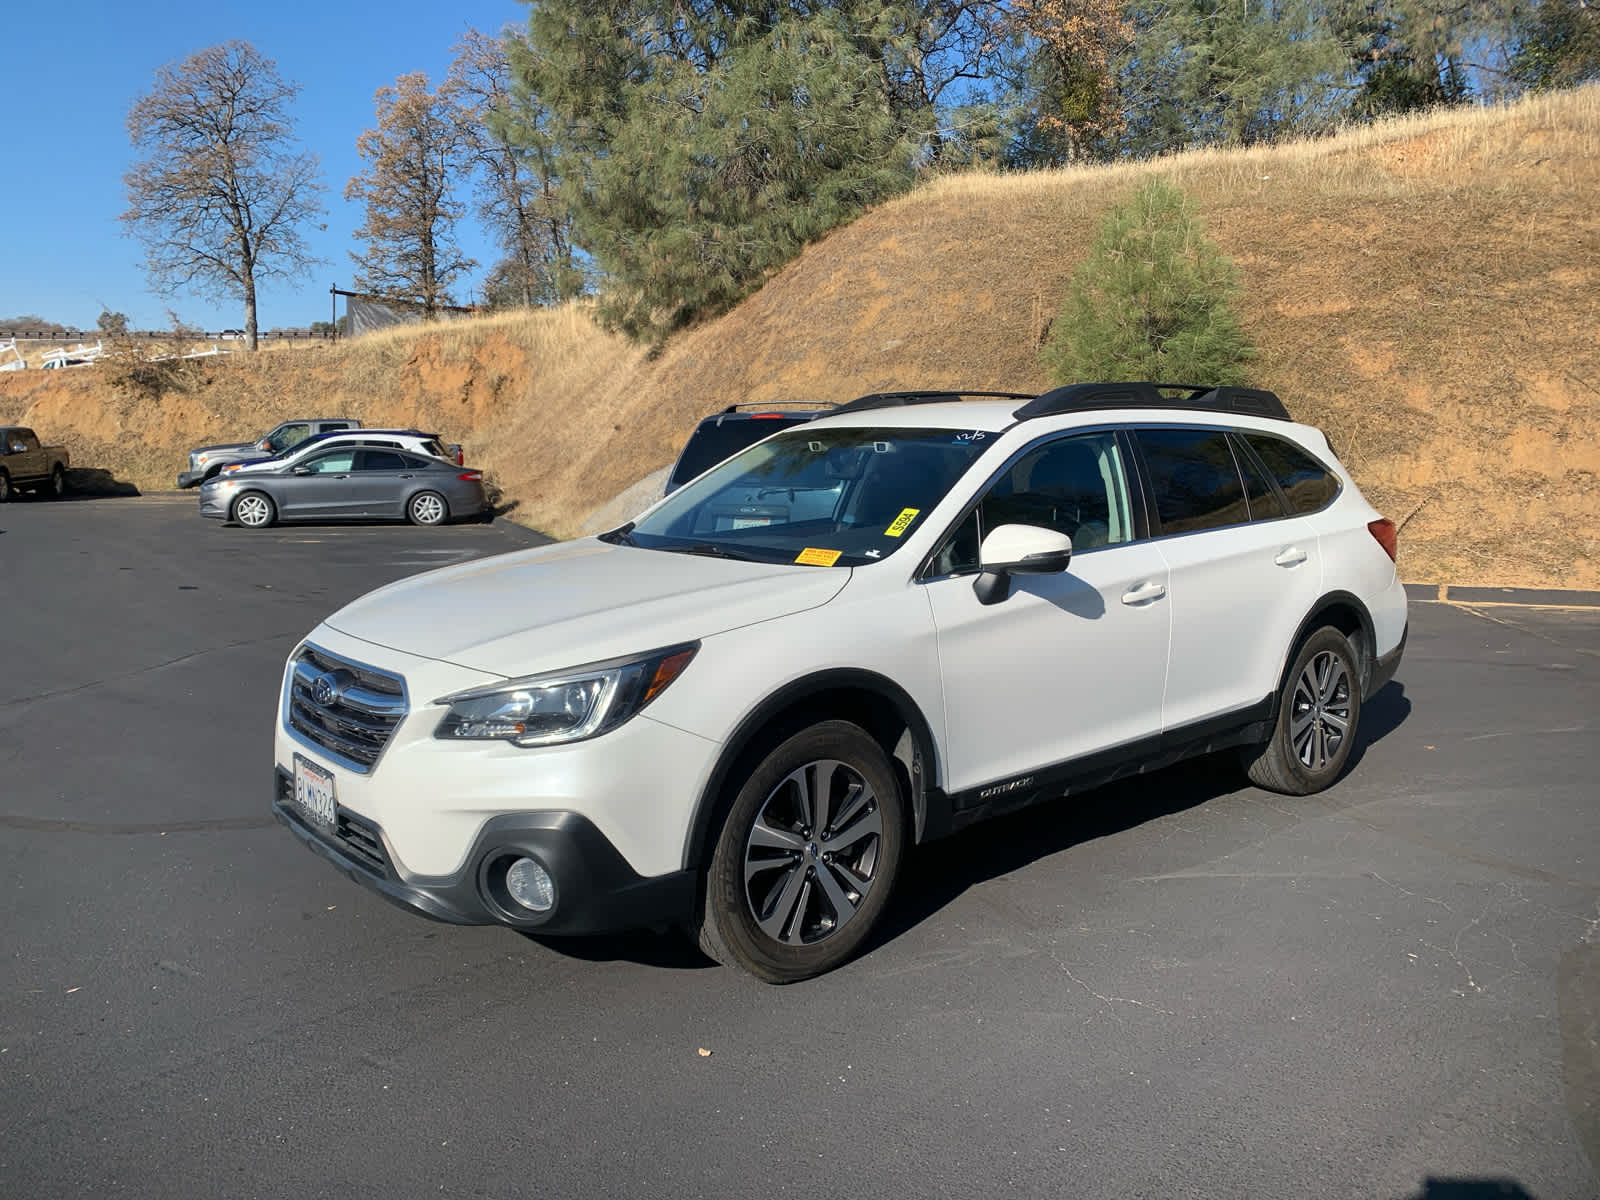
(325,690)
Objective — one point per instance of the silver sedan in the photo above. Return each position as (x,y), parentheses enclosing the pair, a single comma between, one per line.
(347,483)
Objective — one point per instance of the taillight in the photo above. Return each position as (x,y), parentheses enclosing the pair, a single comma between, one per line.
(471,476)
(461,457)
(1387,536)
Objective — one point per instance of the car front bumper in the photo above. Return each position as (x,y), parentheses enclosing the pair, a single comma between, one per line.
(596,891)
(214,502)
(189,479)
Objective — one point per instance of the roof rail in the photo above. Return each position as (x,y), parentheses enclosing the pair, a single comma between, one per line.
(761,406)
(1078,397)
(900,399)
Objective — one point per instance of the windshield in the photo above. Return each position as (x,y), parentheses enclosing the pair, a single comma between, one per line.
(817,496)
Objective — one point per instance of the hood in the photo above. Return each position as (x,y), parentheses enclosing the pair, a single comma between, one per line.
(577,602)
(228,448)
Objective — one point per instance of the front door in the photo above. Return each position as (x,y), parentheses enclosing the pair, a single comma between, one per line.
(1070,663)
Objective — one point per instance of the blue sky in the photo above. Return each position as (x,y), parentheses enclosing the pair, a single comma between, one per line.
(69,79)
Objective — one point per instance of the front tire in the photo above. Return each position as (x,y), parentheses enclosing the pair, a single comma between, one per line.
(427,508)
(807,857)
(1318,713)
(254,510)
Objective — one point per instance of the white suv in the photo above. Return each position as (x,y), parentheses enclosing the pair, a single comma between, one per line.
(738,713)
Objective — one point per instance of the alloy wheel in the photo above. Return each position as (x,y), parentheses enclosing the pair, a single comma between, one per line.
(811,856)
(1320,719)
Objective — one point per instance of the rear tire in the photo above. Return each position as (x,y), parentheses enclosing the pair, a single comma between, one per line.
(807,857)
(1319,711)
(427,508)
(57,487)
(254,510)
(5,487)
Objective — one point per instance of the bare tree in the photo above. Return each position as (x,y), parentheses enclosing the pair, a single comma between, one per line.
(414,159)
(504,129)
(221,191)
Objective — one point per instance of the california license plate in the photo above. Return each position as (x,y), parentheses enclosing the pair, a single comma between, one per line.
(313,792)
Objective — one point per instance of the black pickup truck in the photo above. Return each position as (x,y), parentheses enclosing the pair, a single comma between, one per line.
(24,463)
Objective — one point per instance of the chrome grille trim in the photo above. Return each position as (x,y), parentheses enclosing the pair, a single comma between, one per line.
(353,725)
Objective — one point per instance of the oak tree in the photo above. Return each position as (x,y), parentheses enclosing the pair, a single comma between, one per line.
(415,160)
(220,191)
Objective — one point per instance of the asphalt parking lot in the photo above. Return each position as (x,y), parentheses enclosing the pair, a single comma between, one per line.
(1176,986)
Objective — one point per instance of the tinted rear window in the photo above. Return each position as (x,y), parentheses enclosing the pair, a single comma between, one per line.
(714,441)
(1306,482)
(1195,479)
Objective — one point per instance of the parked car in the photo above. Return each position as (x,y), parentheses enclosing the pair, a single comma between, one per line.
(206,461)
(345,482)
(24,463)
(724,434)
(740,712)
(413,441)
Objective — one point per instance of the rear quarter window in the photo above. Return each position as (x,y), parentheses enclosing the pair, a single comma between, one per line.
(1306,483)
(1195,479)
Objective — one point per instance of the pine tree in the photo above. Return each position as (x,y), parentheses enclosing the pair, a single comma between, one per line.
(701,148)
(1154,300)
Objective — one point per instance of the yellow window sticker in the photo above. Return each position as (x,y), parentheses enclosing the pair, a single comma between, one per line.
(902,522)
(812,557)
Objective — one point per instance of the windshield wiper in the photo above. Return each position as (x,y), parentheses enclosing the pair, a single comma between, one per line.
(710,550)
(620,537)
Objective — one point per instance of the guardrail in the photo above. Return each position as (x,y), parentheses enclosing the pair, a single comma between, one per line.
(274,335)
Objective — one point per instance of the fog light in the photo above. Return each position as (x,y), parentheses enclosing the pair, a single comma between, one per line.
(530,885)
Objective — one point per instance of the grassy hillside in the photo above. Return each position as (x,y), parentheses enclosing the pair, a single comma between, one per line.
(1427,291)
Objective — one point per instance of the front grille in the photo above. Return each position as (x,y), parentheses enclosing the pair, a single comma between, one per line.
(347,708)
(358,839)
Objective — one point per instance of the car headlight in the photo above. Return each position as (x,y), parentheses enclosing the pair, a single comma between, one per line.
(565,706)
(201,460)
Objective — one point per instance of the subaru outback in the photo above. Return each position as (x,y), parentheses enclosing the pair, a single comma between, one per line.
(742,711)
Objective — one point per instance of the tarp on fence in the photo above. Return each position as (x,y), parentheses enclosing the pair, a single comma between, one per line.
(367,313)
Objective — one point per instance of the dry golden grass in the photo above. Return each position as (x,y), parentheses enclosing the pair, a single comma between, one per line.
(1426,290)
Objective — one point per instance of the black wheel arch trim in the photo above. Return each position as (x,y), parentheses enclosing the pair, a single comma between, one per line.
(713,803)
(1314,620)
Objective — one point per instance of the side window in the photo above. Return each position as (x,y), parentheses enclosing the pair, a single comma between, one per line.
(1264,502)
(289,435)
(332,463)
(1195,479)
(1306,482)
(1074,485)
(381,460)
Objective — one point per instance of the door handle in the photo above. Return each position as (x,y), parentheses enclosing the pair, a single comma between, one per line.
(405,477)
(1292,557)
(1145,591)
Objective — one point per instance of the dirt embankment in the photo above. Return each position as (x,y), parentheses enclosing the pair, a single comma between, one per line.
(1426,291)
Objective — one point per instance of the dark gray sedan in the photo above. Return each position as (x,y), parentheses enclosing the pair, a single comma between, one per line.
(347,483)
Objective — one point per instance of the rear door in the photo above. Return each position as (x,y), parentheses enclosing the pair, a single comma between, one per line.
(1244,571)
(29,462)
(379,484)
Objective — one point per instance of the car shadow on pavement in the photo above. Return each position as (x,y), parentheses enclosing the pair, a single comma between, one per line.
(938,873)
(1472,1189)
(667,949)
(94,483)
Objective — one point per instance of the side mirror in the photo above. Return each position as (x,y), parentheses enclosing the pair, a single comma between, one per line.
(1018,550)
(264,444)
(301,471)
